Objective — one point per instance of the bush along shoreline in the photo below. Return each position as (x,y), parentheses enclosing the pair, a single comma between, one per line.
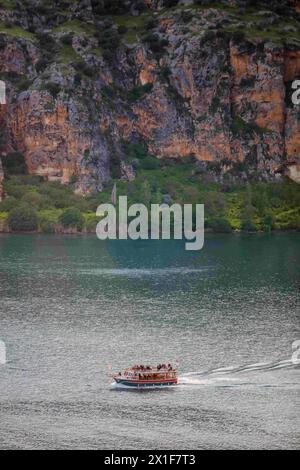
(33,205)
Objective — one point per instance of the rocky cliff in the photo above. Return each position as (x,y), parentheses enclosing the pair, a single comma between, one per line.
(85,79)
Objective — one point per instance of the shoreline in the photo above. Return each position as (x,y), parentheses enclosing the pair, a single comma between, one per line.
(83,233)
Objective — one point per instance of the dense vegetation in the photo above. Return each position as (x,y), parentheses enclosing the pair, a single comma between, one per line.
(32,203)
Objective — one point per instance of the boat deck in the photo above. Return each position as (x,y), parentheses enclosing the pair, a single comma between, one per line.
(147,377)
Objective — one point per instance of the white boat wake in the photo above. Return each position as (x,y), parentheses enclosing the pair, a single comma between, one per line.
(225,373)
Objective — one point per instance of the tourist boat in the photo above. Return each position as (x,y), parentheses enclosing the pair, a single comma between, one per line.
(147,376)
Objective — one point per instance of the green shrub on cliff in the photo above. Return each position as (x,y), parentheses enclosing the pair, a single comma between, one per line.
(135,151)
(47,43)
(220,225)
(156,44)
(23,219)
(150,23)
(108,39)
(91,221)
(288,219)
(170,3)
(8,204)
(268,223)
(46,225)
(14,164)
(108,7)
(138,92)
(150,163)
(48,219)
(248,225)
(82,67)
(37,200)
(52,88)
(215,203)
(67,39)
(72,217)
(122,29)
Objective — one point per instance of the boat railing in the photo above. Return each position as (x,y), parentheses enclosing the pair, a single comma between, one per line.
(148,375)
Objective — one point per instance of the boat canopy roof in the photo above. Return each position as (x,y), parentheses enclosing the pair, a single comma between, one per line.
(150,370)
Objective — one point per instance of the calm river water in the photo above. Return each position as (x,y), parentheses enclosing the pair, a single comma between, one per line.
(70,306)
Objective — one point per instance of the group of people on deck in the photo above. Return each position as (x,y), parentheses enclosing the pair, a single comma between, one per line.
(142,372)
(164,366)
(159,367)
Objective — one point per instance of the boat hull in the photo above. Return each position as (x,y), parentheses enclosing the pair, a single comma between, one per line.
(146,383)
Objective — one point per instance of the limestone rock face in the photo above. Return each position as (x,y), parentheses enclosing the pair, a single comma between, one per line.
(200,90)
(55,137)
(293,172)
